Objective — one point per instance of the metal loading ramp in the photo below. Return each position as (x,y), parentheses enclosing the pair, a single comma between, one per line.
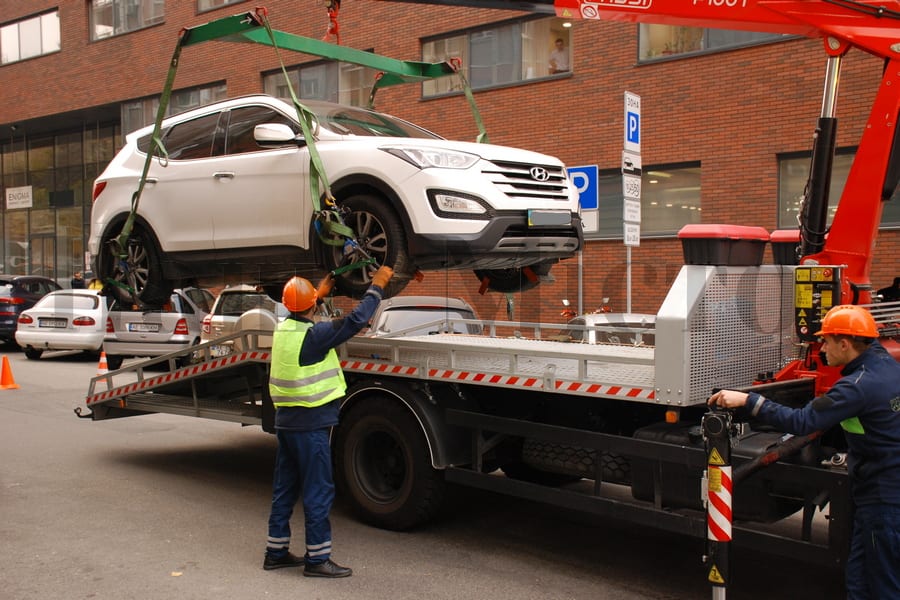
(225,379)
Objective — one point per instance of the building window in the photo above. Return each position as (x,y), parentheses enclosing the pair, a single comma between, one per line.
(115,17)
(793,172)
(660,41)
(344,83)
(204,5)
(501,55)
(29,38)
(670,199)
(138,113)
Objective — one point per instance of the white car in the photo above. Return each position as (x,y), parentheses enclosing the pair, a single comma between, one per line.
(231,197)
(63,320)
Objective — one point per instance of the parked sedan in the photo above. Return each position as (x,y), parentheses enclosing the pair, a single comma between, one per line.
(19,293)
(154,332)
(631,329)
(414,201)
(63,320)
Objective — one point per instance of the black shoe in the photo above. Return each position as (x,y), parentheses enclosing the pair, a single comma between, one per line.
(326,569)
(288,560)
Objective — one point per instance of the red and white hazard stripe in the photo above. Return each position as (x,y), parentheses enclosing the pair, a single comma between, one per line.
(718,513)
(145,384)
(516,381)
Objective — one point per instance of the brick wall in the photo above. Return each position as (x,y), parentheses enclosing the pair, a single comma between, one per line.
(734,112)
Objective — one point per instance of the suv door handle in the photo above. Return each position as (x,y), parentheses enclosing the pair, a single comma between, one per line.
(224,174)
(151,180)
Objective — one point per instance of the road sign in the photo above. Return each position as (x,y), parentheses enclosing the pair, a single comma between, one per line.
(631,210)
(632,233)
(631,187)
(585,181)
(632,122)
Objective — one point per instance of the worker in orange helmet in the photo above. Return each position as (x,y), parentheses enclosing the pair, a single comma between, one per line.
(306,384)
(866,403)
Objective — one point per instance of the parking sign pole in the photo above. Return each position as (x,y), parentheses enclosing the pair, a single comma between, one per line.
(631,184)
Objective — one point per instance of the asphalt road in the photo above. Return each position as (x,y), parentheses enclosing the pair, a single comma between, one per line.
(162,507)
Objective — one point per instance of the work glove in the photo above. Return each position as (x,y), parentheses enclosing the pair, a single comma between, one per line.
(382,276)
(325,287)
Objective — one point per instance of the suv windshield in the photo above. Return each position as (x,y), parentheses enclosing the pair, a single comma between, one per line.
(236,304)
(347,120)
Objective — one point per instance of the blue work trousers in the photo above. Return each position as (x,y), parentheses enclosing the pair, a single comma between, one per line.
(873,566)
(302,468)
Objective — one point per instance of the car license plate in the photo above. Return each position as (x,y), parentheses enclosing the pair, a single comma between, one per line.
(144,327)
(549,218)
(58,323)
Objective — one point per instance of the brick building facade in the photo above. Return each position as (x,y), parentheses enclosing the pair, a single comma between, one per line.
(734,113)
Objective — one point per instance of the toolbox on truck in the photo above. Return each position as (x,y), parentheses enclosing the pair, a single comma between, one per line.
(784,246)
(731,245)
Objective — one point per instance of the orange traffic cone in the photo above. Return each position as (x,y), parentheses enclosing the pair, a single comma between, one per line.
(6,378)
(102,367)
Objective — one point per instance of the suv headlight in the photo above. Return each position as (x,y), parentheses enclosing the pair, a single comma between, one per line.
(440,158)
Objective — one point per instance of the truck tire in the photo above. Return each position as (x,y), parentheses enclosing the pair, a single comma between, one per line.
(575,461)
(381,236)
(383,467)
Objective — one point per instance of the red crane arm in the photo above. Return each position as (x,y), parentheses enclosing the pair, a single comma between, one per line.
(871,26)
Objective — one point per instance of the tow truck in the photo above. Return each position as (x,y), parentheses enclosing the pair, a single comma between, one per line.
(612,429)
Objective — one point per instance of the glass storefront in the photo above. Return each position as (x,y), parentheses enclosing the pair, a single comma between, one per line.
(47,181)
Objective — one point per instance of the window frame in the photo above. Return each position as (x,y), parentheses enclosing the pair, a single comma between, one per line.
(697,35)
(833,197)
(145,22)
(610,204)
(43,39)
(522,63)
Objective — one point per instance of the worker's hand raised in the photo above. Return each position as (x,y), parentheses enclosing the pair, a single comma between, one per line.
(382,276)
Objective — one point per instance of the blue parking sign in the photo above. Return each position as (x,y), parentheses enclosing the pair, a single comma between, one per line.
(585,181)
(633,128)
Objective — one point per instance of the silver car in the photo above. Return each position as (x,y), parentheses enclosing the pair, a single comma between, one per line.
(151,333)
(422,315)
(231,304)
(631,329)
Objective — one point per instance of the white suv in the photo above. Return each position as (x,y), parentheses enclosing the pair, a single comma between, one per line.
(232,199)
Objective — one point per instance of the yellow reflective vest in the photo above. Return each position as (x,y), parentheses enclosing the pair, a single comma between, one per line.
(291,384)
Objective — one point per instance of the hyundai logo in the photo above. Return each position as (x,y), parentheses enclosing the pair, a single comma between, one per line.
(539,174)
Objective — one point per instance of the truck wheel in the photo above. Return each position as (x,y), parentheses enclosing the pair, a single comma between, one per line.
(32,353)
(383,466)
(517,279)
(137,277)
(380,235)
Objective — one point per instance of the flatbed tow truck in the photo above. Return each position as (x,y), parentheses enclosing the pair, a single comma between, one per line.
(576,425)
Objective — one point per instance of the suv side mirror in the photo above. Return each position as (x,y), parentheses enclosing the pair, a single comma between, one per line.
(276,134)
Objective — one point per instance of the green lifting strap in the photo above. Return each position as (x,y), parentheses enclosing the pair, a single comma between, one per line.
(254,27)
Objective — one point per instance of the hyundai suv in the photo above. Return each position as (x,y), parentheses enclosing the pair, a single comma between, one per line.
(230,197)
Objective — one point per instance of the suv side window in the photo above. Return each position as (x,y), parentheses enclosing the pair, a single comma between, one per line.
(241,123)
(192,139)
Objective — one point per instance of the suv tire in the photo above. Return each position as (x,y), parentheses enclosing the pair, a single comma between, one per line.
(379,233)
(141,280)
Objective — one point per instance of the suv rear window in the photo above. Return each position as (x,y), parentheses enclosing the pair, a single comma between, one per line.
(234,305)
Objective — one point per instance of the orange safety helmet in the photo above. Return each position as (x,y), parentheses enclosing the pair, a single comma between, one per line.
(849,319)
(298,295)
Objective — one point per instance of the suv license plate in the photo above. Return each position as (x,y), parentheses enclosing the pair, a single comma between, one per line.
(549,218)
(144,327)
(58,323)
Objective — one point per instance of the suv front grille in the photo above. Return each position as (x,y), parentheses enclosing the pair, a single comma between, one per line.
(516,181)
